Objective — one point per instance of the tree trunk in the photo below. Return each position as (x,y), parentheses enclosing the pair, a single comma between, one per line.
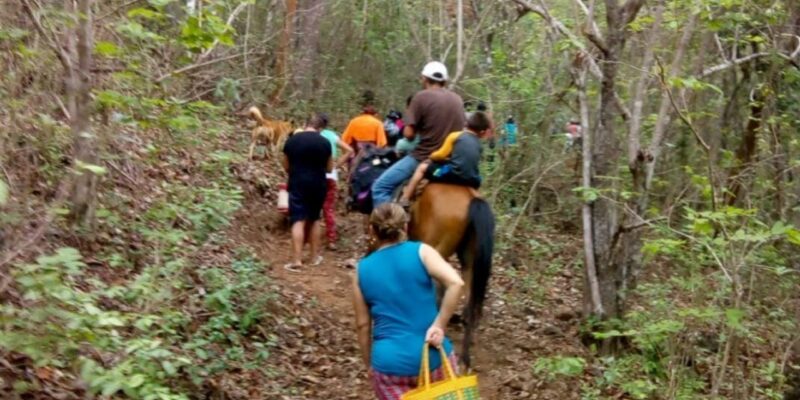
(307,47)
(605,151)
(284,50)
(593,304)
(84,189)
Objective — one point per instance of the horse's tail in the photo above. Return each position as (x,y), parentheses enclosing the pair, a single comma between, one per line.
(480,234)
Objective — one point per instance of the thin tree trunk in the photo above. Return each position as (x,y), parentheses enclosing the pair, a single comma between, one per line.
(641,163)
(593,305)
(746,151)
(307,47)
(284,50)
(664,115)
(84,190)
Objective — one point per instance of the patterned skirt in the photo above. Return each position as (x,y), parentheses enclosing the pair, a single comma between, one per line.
(391,387)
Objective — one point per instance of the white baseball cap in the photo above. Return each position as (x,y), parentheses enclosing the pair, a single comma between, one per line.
(436,71)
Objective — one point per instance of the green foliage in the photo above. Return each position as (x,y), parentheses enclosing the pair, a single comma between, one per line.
(554,367)
(4,193)
(199,33)
(62,318)
(138,33)
(710,258)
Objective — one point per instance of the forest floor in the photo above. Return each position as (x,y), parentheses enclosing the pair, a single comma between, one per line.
(532,312)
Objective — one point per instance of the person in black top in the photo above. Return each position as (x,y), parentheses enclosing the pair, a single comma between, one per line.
(307,158)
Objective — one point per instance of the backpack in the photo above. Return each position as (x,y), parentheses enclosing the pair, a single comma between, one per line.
(366,169)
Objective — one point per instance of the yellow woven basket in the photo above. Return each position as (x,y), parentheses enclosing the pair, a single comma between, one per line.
(451,388)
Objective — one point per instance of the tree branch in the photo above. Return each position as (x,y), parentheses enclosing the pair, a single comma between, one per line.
(630,10)
(228,23)
(117,9)
(554,23)
(732,63)
(681,115)
(49,37)
(685,119)
(198,65)
(623,110)
(541,11)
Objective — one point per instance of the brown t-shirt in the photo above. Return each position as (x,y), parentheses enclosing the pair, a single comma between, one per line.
(434,113)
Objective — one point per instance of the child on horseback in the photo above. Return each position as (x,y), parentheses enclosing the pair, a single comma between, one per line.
(457,161)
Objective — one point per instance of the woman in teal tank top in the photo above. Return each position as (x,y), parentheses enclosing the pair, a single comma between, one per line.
(395,303)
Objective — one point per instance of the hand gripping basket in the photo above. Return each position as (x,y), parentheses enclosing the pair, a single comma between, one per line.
(452,387)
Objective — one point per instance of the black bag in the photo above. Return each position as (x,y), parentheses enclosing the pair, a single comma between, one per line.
(368,166)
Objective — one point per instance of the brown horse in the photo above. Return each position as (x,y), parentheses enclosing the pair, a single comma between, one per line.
(455,220)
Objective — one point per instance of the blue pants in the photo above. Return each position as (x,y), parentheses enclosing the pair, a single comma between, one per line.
(391,179)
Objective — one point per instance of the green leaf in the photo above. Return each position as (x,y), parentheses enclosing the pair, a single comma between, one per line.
(159,3)
(169,368)
(111,388)
(144,13)
(733,317)
(136,31)
(793,235)
(588,194)
(110,320)
(136,380)
(567,366)
(95,169)
(780,228)
(106,49)
(3,192)
(703,226)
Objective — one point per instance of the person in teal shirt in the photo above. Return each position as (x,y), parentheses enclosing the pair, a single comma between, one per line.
(511,132)
(395,303)
(329,207)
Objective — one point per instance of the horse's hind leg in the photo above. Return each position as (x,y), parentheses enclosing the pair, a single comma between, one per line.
(467,259)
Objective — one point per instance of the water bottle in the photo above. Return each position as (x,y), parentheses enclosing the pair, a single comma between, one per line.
(283,198)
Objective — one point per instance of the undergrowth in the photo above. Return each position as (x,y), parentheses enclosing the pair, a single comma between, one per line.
(166,302)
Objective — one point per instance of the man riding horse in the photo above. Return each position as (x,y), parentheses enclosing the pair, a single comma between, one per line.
(452,218)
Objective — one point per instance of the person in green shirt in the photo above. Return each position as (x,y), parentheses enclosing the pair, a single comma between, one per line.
(329,207)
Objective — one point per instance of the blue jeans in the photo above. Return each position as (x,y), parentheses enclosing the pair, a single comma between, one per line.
(391,179)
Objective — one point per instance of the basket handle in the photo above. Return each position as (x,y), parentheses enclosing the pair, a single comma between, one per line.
(424,378)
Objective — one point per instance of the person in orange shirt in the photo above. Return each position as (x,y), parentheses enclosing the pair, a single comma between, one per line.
(365,129)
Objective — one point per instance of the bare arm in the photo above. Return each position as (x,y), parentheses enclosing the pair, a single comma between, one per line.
(285,163)
(347,152)
(409,133)
(444,273)
(363,323)
(329,166)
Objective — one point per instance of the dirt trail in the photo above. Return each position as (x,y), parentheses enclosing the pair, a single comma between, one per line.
(509,341)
